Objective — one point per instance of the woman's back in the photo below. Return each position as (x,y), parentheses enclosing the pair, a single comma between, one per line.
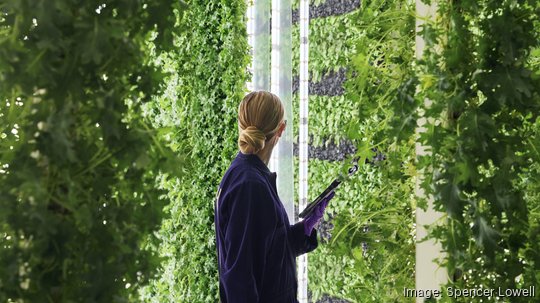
(257,247)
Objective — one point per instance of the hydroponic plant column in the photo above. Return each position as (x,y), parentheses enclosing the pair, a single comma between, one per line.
(429,275)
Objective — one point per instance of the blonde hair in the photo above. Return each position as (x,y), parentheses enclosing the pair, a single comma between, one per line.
(259,117)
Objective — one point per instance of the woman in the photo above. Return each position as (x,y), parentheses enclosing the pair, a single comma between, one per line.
(257,246)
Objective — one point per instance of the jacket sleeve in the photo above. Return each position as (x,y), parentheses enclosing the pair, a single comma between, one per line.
(298,240)
(252,220)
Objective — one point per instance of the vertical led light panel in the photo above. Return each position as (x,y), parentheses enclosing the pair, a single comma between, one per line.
(261,45)
(303,138)
(281,84)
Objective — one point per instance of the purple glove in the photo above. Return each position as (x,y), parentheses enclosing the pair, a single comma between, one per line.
(316,215)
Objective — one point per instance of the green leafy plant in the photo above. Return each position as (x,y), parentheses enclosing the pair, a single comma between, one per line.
(78,159)
(328,118)
(199,108)
(331,41)
(482,131)
(482,126)
(370,255)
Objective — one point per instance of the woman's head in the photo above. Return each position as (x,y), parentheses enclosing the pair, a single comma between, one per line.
(260,117)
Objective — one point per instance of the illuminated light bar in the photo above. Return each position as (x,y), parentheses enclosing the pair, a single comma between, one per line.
(303,139)
(275,73)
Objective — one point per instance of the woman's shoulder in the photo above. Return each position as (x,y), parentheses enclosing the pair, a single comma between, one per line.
(243,175)
(243,187)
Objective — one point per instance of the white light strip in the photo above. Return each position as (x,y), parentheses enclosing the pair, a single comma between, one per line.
(251,39)
(261,45)
(275,69)
(303,137)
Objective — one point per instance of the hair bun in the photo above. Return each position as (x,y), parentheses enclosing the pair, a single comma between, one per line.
(251,140)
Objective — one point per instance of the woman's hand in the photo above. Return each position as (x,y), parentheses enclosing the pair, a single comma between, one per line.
(317,215)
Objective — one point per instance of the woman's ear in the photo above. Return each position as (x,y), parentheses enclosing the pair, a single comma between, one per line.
(282,128)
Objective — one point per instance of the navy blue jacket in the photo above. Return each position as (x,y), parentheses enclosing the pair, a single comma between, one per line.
(257,247)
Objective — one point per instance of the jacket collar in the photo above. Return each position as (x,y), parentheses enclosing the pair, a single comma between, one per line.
(255,161)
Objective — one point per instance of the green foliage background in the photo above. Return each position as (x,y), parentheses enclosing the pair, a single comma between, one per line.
(208,74)
(78,159)
(483,134)
(375,43)
(98,102)
(480,75)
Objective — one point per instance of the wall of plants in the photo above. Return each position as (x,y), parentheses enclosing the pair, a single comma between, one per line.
(483,133)
(78,158)
(484,98)
(480,75)
(199,109)
(118,120)
(358,54)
